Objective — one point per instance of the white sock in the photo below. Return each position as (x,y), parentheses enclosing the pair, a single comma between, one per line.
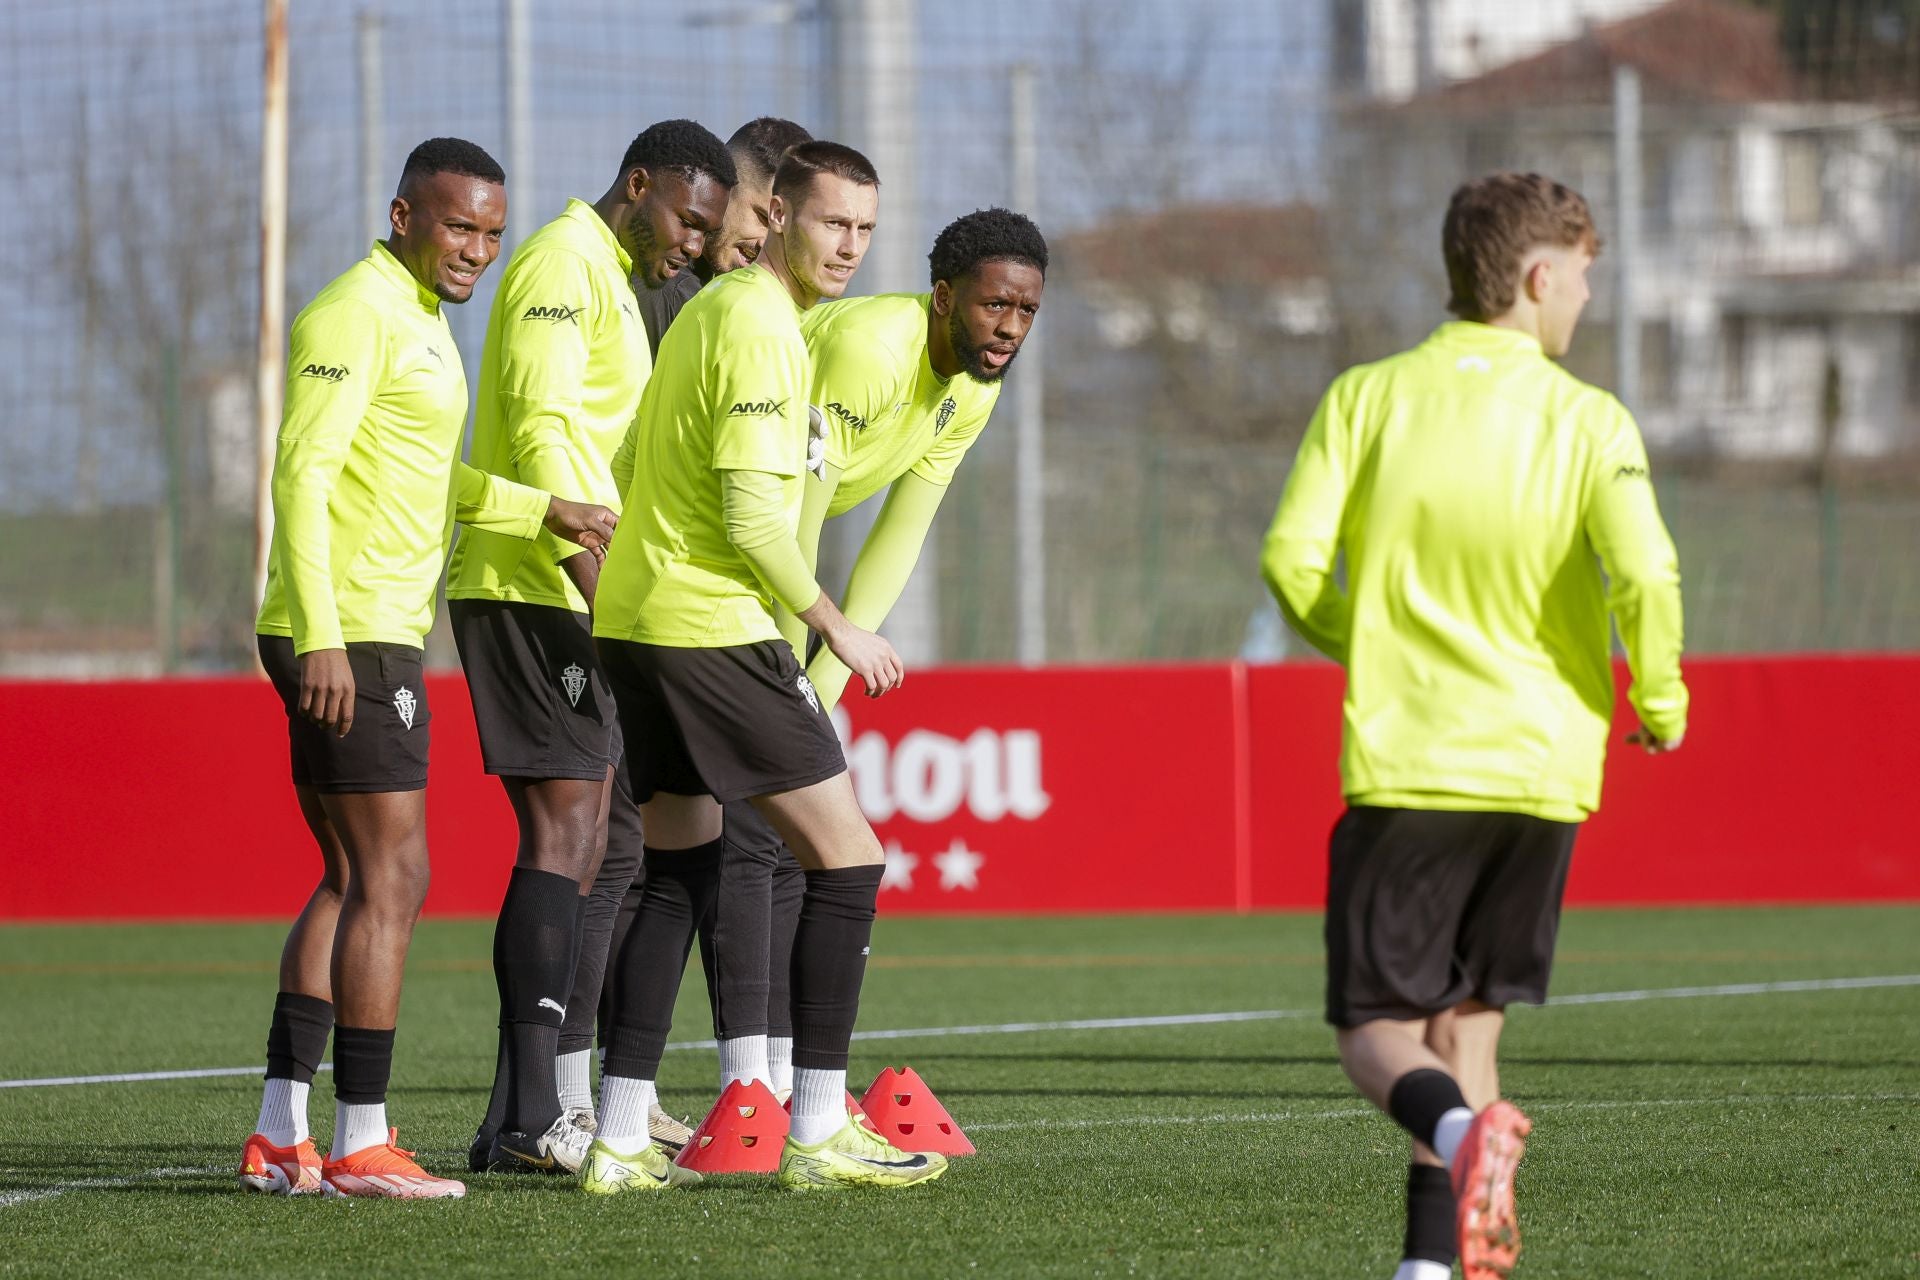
(624,1103)
(743,1058)
(819,1104)
(1448,1133)
(573,1072)
(283,1112)
(780,1062)
(1422,1269)
(357,1126)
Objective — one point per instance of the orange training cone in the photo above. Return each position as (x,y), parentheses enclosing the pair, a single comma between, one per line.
(905,1112)
(742,1134)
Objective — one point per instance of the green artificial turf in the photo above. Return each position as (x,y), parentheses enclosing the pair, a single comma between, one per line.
(1707,1135)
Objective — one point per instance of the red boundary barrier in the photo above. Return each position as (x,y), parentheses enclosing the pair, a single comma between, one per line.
(1068,789)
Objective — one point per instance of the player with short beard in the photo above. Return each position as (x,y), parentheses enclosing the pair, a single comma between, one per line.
(907,383)
(1475,492)
(367,484)
(756,148)
(565,362)
(713,701)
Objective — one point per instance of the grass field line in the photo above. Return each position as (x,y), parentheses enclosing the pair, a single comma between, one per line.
(8,1199)
(1111,1024)
(1350,1113)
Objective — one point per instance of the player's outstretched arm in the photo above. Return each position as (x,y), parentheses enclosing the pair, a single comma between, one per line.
(880,572)
(813,517)
(1643,582)
(752,506)
(588,524)
(867,655)
(1297,559)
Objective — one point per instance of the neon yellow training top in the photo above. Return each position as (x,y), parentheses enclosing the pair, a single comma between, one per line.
(367,479)
(729,393)
(565,361)
(888,413)
(894,424)
(1470,484)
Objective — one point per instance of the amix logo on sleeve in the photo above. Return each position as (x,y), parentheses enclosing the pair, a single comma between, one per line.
(325,372)
(554,315)
(846,415)
(756,408)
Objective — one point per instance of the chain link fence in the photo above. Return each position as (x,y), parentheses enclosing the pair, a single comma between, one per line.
(1241,199)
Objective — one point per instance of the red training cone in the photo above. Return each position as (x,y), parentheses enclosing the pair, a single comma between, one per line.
(905,1112)
(742,1134)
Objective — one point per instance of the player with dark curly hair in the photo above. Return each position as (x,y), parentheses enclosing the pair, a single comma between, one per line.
(565,361)
(904,384)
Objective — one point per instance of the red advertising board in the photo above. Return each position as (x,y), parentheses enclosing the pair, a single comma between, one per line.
(1152,788)
(1070,789)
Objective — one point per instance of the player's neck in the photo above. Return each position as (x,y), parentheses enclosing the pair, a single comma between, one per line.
(612,209)
(1520,318)
(940,353)
(774,256)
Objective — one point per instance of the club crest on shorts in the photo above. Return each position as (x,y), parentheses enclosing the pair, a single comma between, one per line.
(404,702)
(574,680)
(806,691)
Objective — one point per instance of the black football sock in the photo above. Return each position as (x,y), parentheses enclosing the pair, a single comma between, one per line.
(737,957)
(829,963)
(600,909)
(534,952)
(297,1037)
(1418,1101)
(502,1086)
(617,947)
(680,885)
(362,1064)
(789,891)
(1430,1226)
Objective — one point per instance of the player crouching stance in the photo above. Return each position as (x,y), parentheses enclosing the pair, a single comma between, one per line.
(367,482)
(1471,484)
(713,702)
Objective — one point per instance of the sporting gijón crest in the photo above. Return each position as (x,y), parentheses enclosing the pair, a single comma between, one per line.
(944,415)
(404,702)
(574,681)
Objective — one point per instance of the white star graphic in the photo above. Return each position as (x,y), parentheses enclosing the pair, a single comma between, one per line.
(900,865)
(959,866)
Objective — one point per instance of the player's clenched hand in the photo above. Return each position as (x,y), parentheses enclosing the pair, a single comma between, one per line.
(587,523)
(326,689)
(869,656)
(1644,737)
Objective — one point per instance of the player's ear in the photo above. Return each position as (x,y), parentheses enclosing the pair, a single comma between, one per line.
(399,213)
(1538,277)
(777,213)
(942,298)
(637,180)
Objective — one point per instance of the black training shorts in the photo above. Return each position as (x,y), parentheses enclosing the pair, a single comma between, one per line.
(731,723)
(386,749)
(1428,908)
(539,700)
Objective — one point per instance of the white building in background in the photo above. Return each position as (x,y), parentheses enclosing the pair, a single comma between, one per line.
(1779,282)
(1393,49)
